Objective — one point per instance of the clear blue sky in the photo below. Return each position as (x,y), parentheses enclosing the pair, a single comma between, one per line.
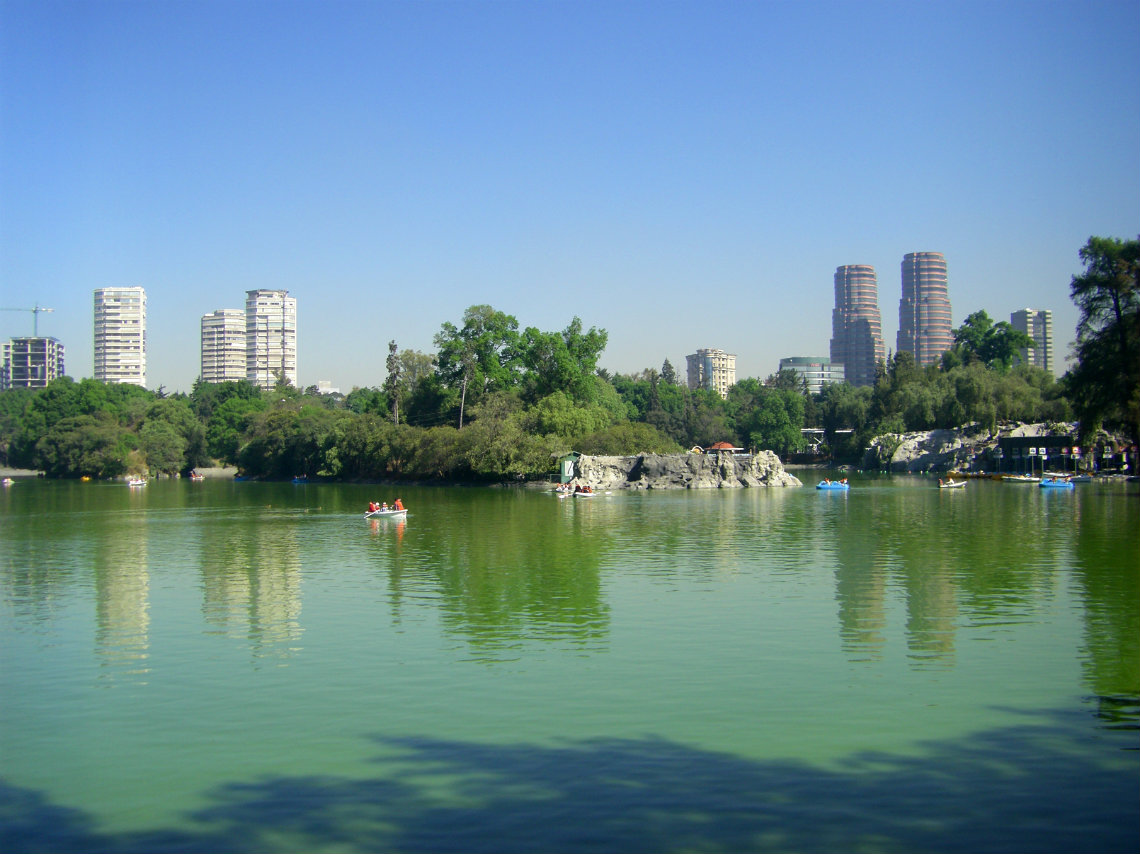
(681,174)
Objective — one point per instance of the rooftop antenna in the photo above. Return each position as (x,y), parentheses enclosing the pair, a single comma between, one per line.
(35,317)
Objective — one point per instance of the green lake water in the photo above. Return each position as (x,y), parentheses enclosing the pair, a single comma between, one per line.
(251,667)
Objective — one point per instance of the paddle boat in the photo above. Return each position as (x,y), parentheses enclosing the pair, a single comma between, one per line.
(831,484)
(1055,483)
(1071,477)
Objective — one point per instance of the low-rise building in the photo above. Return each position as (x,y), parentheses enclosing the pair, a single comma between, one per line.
(815,371)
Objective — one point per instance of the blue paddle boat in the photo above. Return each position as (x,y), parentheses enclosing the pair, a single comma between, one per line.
(1055,483)
(831,484)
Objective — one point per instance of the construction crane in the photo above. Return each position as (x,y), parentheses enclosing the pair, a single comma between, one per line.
(35,317)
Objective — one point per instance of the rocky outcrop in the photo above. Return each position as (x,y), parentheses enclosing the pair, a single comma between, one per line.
(720,470)
(962,449)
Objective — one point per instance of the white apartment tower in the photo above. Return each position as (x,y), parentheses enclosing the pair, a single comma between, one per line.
(223,346)
(713,369)
(270,338)
(120,335)
(1038,325)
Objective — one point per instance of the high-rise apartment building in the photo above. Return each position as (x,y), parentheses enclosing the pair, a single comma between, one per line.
(270,338)
(713,369)
(120,335)
(223,346)
(856,325)
(814,371)
(30,362)
(925,324)
(1037,323)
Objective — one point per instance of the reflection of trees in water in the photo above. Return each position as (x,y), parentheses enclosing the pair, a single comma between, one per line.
(1107,571)
(1033,787)
(251,581)
(512,570)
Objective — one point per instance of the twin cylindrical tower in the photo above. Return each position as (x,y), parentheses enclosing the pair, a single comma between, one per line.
(925,323)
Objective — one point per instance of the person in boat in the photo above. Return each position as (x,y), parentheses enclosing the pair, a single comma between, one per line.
(399,505)
(373,507)
(383,506)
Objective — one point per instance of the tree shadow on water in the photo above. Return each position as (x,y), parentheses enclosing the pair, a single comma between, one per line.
(1012,789)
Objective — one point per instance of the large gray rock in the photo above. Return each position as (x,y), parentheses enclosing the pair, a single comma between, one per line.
(719,470)
(969,447)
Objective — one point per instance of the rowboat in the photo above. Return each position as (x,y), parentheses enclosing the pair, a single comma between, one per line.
(137,481)
(830,484)
(1054,483)
(952,484)
(385,514)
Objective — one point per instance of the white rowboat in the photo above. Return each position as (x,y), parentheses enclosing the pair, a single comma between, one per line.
(385,514)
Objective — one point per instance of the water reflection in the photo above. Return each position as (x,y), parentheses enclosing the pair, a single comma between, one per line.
(122,599)
(1106,571)
(987,555)
(509,570)
(251,583)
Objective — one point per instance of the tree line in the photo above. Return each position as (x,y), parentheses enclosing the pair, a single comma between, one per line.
(498,403)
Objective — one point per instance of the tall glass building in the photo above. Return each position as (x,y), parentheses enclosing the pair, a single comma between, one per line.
(270,338)
(925,324)
(120,335)
(856,325)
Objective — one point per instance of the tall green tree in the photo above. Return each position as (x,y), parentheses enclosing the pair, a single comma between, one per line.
(562,361)
(392,383)
(979,339)
(480,356)
(1105,383)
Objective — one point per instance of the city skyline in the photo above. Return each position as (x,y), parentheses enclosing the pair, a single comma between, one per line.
(391,164)
(272,314)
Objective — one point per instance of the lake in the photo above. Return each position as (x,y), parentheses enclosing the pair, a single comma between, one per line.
(252,667)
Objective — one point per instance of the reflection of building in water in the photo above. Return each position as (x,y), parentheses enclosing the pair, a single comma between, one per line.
(860,589)
(252,586)
(874,564)
(122,601)
(932,608)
